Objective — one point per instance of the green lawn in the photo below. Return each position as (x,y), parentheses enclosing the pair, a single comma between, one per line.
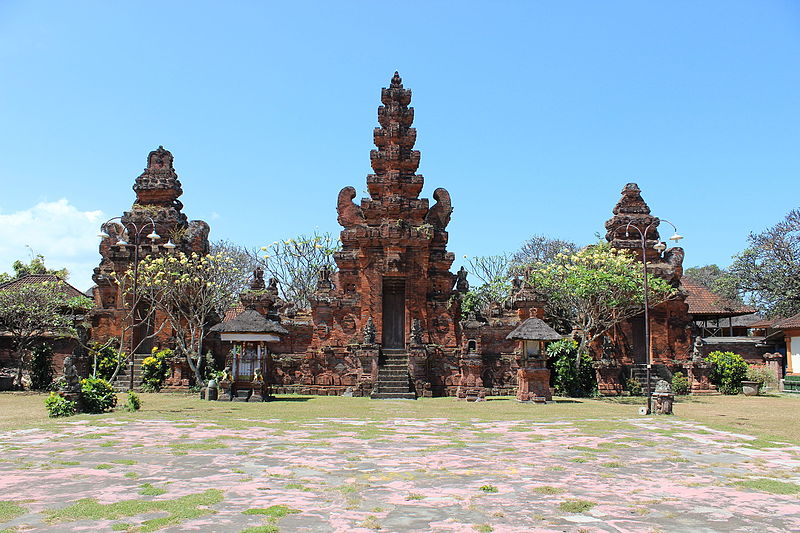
(767,417)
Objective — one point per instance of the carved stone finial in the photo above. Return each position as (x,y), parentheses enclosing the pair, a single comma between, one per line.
(324,278)
(158,184)
(397,81)
(258,279)
(462,285)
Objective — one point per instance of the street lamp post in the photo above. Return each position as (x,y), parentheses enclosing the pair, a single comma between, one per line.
(660,247)
(121,232)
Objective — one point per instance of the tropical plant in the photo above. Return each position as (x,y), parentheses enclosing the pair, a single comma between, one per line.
(728,370)
(633,387)
(105,359)
(57,406)
(761,374)
(98,395)
(42,366)
(155,369)
(567,379)
(132,402)
(595,289)
(680,384)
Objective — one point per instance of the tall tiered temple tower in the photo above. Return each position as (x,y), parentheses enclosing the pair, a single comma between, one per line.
(156,209)
(394,266)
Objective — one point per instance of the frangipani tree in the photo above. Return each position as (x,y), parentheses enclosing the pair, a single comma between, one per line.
(296,263)
(596,288)
(30,311)
(191,291)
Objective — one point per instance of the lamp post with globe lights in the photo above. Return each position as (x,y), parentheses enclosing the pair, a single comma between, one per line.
(659,246)
(114,227)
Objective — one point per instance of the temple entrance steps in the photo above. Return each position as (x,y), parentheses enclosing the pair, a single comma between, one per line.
(393,380)
(123,381)
(657,372)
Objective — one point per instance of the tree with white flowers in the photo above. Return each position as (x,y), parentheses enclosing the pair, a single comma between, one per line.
(191,291)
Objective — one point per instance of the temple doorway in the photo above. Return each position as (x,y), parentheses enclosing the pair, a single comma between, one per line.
(394,313)
(638,349)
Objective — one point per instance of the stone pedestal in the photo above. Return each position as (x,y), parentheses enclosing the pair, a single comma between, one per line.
(533,383)
(663,398)
(470,384)
(180,374)
(609,377)
(698,373)
(225,390)
(241,395)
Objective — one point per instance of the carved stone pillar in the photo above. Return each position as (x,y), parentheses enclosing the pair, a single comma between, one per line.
(773,362)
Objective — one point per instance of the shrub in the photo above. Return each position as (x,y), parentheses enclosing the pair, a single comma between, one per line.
(58,406)
(761,374)
(98,395)
(680,383)
(155,369)
(105,359)
(42,366)
(633,387)
(727,372)
(132,403)
(568,380)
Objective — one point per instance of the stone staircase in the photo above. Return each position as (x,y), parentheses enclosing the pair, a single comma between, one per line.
(393,381)
(123,381)
(657,372)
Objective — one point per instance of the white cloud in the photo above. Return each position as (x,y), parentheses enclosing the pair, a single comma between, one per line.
(66,236)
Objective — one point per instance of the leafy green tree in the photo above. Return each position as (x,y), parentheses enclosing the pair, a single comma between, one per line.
(595,289)
(36,266)
(31,311)
(717,279)
(767,270)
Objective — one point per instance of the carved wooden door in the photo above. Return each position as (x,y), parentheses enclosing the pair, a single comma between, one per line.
(638,353)
(394,313)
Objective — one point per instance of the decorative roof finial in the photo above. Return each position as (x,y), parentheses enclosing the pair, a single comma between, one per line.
(397,81)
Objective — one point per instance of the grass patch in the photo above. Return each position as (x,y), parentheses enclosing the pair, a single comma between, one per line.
(612,464)
(576,506)
(371,522)
(268,528)
(208,444)
(483,528)
(10,510)
(415,496)
(273,511)
(103,466)
(121,526)
(149,490)
(489,489)
(178,510)
(131,475)
(547,489)
(770,485)
(129,462)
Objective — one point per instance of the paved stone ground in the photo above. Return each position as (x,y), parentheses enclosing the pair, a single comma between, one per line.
(396,475)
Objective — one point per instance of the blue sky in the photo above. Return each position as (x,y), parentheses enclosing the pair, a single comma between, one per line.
(533,115)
